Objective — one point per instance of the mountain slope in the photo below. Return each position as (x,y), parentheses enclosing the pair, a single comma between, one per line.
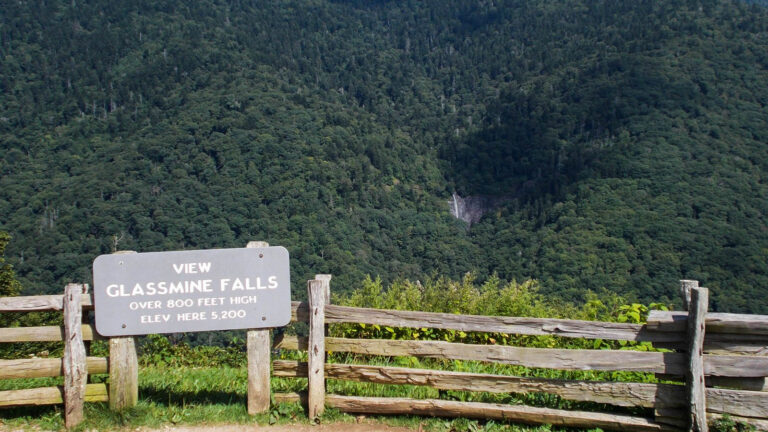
(632,136)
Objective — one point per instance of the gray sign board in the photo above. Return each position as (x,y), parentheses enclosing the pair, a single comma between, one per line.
(190,291)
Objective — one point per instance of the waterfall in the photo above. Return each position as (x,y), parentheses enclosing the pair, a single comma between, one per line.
(471,208)
(455,207)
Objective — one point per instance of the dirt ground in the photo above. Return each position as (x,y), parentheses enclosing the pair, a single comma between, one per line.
(332,427)
(363,426)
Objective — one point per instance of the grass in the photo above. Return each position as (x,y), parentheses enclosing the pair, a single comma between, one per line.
(214,395)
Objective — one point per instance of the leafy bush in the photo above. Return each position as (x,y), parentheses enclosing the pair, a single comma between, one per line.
(156,350)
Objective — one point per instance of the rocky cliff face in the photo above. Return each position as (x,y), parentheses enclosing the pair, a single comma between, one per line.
(472,208)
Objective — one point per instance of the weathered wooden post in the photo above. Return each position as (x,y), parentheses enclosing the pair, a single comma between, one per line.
(694,380)
(326,280)
(685,291)
(258,348)
(74,360)
(123,369)
(316,348)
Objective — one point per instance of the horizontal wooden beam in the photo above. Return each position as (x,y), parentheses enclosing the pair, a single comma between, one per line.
(624,394)
(742,403)
(612,393)
(49,395)
(45,367)
(40,303)
(43,334)
(669,363)
(498,324)
(300,311)
(754,384)
(738,324)
(565,359)
(515,413)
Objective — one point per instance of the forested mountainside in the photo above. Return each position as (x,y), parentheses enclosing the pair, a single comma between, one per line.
(628,139)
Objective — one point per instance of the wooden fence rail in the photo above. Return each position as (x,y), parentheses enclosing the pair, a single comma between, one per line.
(727,350)
(74,366)
(722,358)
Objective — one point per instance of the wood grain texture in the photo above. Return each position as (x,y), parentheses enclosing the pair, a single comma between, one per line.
(694,376)
(670,363)
(73,360)
(326,280)
(123,373)
(514,413)
(663,363)
(300,311)
(685,292)
(45,367)
(497,324)
(753,384)
(40,303)
(624,394)
(736,366)
(316,349)
(49,395)
(258,347)
(736,324)
(742,403)
(43,334)
(612,393)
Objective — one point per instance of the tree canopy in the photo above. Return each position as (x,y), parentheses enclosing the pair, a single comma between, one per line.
(628,139)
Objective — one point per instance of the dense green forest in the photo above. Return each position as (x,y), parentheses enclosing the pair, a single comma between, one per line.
(629,139)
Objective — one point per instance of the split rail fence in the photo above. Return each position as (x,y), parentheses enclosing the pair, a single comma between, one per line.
(721,358)
(74,365)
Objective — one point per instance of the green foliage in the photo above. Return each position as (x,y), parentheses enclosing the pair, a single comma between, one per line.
(9,286)
(491,298)
(157,351)
(627,139)
(727,424)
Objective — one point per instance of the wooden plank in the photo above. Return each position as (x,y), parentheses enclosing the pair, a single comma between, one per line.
(613,393)
(736,324)
(123,373)
(326,280)
(258,344)
(753,384)
(316,351)
(694,376)
(685,291)
(656,362)
(123,369)
(675,417)
(514,413)
(300,311)
(498,324)
(73,360)
(43,334)
(40,303)
(736,366)
(729,344)
(624,394)
(726,344)
(670,363)
(290,397)
(45,367)
(49,395)
(742,403)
